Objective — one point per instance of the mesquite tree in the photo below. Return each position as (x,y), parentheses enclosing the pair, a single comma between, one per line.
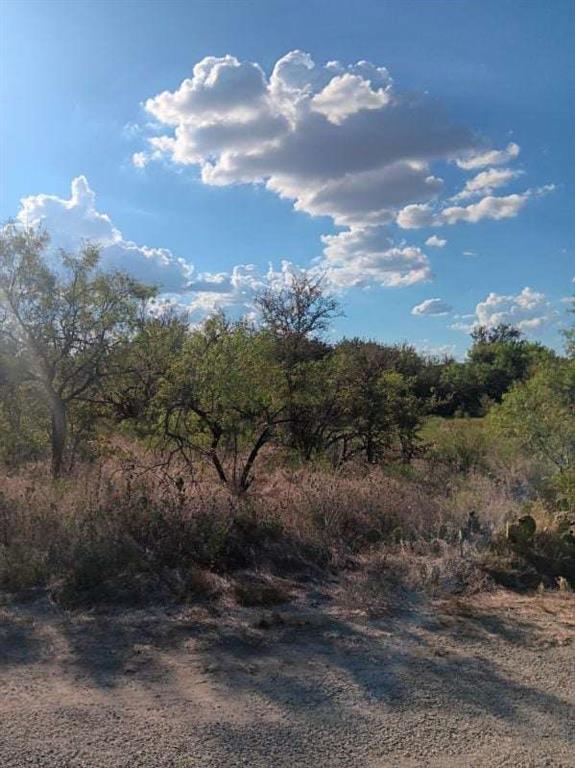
(63,320)
(221,399)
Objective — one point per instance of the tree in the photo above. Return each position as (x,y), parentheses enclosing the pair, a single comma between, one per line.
(569,333)
(139,365)
(297,313)
(64,322)
(24,418)
(498,358)
(506,357)
(462,386)
(377,405)
(221,399)
(538,415)
(502,333)
(295,317)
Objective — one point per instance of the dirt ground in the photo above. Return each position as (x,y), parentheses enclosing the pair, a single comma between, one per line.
(485,681)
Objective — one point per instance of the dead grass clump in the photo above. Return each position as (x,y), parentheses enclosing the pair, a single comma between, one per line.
(110,533)
(353,510)
(253,590)
(124,540)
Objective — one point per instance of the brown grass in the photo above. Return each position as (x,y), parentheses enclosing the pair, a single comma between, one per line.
(126,531)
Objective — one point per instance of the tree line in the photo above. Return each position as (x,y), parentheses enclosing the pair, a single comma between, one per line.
(81,353)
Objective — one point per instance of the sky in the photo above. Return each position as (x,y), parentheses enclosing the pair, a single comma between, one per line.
(418,155)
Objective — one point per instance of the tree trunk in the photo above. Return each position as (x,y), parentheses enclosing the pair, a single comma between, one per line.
(370,449)
(59,433)
(245,480)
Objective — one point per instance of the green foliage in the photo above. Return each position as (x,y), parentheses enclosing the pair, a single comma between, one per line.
(222,393)
(538,416)
(461,444)
(61,325)
(83,358)
(498,358)
(378,408)
(522,532)
(563,484)
(24,425)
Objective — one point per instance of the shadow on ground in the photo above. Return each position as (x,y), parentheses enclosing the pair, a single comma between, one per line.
(302,660)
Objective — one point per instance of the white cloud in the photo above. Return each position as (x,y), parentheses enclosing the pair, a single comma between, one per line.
(74,221)
(364,198)
(416,216)
(426,348)
(347,94)
(529,310)
(300,128)
(486,182)
(490,207)
(432,307)
(221,88)
(366,255)
(140,159)
(489,157)
(435,242)
(338,141)
(71,220)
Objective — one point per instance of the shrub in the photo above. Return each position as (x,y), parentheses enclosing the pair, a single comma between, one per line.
(461,445)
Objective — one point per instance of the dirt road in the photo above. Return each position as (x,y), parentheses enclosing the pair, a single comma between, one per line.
(489,681)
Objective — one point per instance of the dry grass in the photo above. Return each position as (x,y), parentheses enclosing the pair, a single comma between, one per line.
(120,531)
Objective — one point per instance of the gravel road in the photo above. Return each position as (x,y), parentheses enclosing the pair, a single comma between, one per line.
(485,681)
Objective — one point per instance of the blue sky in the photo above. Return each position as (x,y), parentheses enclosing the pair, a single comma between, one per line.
(467,136)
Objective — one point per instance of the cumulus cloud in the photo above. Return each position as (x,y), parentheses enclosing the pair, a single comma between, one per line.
(347,94)
(490,207)
(336,140)
(432,307)
(435,242)
(74,221)
(365,198)
(489,157)
(529,310)
(71,220)
(434,351)
(304,126)
(235,292)
(418,215)
(366,255)
(486,182)
(220,88)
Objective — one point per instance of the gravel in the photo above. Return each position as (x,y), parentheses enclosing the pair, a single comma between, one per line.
(485,681)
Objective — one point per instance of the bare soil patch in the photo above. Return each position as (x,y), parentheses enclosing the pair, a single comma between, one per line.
(482,681)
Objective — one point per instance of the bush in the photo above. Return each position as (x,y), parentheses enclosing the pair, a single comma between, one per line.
(461,445)
(530,555)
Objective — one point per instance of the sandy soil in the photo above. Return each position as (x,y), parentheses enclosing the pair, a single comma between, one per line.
(488,681)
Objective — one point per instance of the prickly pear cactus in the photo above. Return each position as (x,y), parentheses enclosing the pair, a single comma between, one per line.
(522,531)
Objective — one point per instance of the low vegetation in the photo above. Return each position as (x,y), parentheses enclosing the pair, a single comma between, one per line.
(146,458)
